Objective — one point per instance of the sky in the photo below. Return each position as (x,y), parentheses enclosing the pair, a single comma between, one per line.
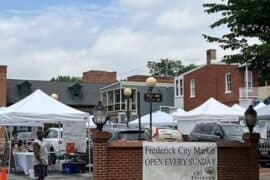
(41,39)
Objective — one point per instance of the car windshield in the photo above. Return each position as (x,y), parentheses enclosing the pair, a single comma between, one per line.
(233,130)
(25,135)
(132,135)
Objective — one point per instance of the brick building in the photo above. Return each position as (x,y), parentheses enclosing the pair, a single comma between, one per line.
(214,79)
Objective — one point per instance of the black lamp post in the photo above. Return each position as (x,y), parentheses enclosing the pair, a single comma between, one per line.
(127,93)
(100,116)
(251,118)
(151,83)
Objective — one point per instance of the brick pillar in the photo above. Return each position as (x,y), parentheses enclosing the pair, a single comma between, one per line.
(100,155)
(3,86)
(252,140)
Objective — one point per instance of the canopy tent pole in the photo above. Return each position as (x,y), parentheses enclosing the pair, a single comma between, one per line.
(59,137)
(9,153)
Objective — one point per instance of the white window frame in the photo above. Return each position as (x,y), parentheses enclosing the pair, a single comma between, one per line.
(181,87)
(192,88)
(177,87)
(250,80)
(228,83)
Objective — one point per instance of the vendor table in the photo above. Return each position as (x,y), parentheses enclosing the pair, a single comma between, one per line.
(23,161)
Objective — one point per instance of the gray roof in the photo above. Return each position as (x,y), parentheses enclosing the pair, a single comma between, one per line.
(90,92)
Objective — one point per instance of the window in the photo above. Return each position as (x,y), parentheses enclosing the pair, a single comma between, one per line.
(192,88)
(228,83)
(176,88)
(249,80)
(181,87)
(117,99)
(51,134)
(75,91)
(111,101)
(24,89)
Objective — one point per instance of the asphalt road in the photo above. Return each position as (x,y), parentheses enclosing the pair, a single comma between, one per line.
(264,175)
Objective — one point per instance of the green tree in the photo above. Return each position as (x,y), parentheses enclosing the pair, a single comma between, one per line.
(246,20)
(61,78)
(166,67)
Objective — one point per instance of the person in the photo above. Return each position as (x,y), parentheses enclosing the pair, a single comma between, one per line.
(40,157)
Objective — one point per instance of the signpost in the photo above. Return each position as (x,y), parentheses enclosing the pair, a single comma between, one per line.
(153,97)
(185,161)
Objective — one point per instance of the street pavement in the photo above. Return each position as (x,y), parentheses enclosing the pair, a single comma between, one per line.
(54,176)
(264,173)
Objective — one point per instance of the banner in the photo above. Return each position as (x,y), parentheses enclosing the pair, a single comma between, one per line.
(75,133)
(185,161)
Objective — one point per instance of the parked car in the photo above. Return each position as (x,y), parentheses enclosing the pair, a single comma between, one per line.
(264,150)
(217,131)
(166,135)
(127,134)
(229,132)
(52,139)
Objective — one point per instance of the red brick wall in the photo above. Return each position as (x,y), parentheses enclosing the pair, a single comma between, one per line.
(99,77)
(142,78)
(3,85)
(210,82)
(123,160)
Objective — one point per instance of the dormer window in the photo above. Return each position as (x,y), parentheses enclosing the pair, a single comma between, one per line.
(24,89)
(75,90)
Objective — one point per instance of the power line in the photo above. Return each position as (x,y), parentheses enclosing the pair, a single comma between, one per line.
(132,70)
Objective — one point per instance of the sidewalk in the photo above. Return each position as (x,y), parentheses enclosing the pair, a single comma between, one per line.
(54,176)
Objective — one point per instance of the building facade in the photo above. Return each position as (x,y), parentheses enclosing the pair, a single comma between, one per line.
(80,95)
(215,79)
(112,96)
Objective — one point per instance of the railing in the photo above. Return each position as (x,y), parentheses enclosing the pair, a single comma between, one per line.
(248,93)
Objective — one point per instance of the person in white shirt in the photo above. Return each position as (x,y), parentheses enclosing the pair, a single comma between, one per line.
(40,157)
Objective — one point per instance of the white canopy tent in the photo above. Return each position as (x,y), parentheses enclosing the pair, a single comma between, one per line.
(259,106)
(264,112)
(178,111)
(209,111)
(159,119)
(263,116)
(39,108)
(90,123)
(239,108)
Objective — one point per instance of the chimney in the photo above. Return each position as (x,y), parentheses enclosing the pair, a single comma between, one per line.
(3,85)
(99,77)
(211,54)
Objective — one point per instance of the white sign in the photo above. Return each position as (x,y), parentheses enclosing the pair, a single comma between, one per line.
(75,133)
(185,161)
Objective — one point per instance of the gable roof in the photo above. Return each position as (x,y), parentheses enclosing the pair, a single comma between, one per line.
(90,92)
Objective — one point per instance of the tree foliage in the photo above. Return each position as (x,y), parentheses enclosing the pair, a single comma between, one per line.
(61,78)
(166,67)
(246,20)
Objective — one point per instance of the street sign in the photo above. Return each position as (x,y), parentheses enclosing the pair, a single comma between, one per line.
(153,97)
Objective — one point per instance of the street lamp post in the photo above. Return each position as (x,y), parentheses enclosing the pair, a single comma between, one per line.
(251,118)
(151,83)
(127,93)
(100,116)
